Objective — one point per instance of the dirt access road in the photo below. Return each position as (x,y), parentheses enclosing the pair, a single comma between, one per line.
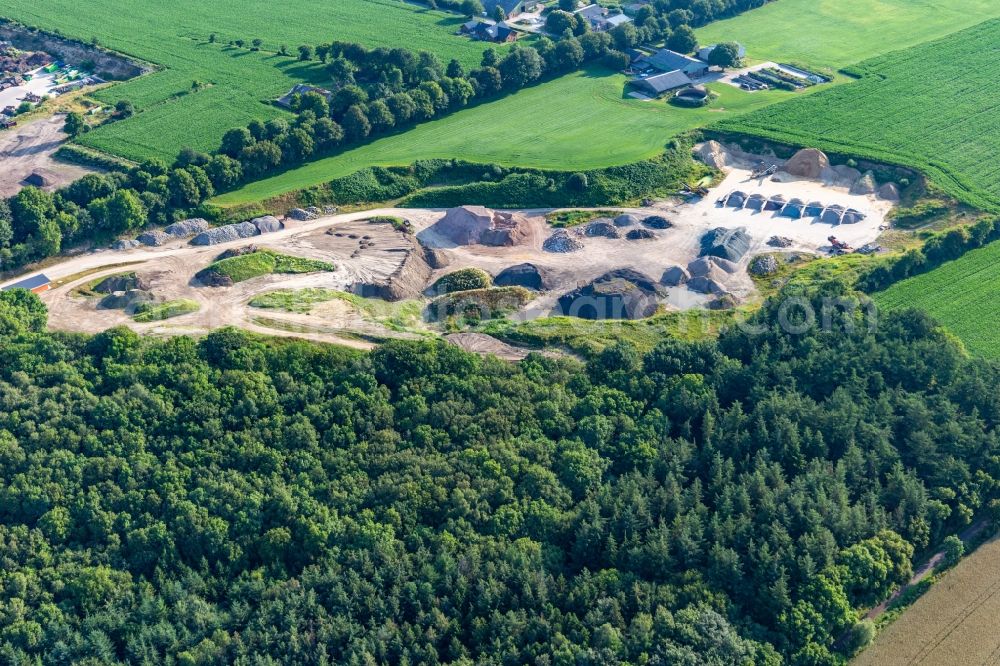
(28,149)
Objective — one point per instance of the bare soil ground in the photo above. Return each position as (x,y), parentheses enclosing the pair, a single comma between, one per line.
(29,148)
(954,623)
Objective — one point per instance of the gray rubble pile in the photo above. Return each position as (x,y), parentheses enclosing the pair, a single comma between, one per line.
(230,232)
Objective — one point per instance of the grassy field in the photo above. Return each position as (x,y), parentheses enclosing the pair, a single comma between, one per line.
(294,300)
(954,623)
(168,310)
(931,107)
(174,35)
(579,121)
(963,294)
(835,33)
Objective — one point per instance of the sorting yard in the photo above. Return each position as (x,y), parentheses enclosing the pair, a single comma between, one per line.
(579,121)
(961,294)
(836,33)
(237,80)
(932,107)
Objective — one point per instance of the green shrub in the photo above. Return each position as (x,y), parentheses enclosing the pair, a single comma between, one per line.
(463,280)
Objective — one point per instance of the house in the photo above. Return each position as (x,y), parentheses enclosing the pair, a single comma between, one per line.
(666,60)
(705,52)
(591,13)
(511,8)
(35,284)
(660,83)
(605,23)
(489,32)
(301,89)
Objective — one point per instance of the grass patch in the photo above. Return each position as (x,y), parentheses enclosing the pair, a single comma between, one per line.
(572,218)
(149,312)
(836,33)
(175,36)
(930,107)
(961,294)
(294,300)
(578,122)
(266,262)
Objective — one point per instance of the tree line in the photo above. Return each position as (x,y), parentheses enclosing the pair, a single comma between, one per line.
(242,500)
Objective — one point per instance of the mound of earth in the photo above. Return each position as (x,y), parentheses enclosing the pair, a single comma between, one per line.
(436,258)
(657,222)
(267,224)
(121,283)
(712,153)
(731,244)
(529,276)
(762,265)
(476,225)
(237,252)
(619,294)
(561,242)
(865,185)
(705,284)
(889,192)
(126,300)
(407,281)
(186,228)
(724,302)
(640,234)
(807,163)
(601,228)
(230,232)
(154,238)
(675,276)
(486,345)
(626,220)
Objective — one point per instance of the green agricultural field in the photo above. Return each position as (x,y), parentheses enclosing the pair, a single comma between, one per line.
(933,107)
(964,295)
(174,35)
(579,121)
(835,33)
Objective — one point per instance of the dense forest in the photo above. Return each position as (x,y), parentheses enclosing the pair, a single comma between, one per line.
(234,499)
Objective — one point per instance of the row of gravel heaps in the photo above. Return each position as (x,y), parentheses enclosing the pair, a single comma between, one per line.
(565,240)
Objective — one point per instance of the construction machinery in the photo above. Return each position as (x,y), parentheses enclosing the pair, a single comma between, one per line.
(838,247)
(763,170)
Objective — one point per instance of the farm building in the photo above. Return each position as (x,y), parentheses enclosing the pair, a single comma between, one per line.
(705,52)
(666,60)
(489,32)
(605,23)
(301,89)
(36,284)
(511,8)
(661,83)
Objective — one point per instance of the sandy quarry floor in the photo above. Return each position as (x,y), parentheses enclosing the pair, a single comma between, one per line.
(339,238)
(26,149)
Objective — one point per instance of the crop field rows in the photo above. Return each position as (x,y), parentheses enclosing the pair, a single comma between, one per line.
(964,295)
(932,107)
(236,83)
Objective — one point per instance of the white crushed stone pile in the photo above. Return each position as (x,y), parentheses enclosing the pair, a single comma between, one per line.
(561,242)
(186,228)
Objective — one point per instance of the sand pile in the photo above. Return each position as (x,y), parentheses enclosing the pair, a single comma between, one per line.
(712,153)
(807,163)
(476,225)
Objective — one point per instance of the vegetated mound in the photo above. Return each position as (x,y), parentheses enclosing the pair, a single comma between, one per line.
(626,220)
(657,222)
(122,282)
(712,153)
(675,276)
(225,234)
(186,228)
(237,252)
(723,302)
(529,276)
(731,244)
(463,279)
(479,304)
(601,228)
(865,185)
(640,234)
(477,225)
(619,294)
(807,163)
(256,264)
(763,265)
(561,242)
(150,312)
